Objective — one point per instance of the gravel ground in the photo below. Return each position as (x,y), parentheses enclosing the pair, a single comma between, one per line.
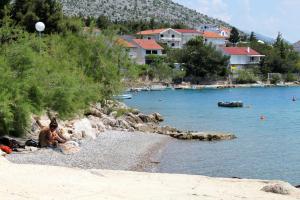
(111,150)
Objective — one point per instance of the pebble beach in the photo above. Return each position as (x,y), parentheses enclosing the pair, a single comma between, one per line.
(113,150)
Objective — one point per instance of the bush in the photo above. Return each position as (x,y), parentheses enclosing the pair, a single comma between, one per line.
(64,73)
(246,76)
(275,79)
(291,77)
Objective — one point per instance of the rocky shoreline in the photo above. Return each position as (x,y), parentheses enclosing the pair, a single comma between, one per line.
(116,116)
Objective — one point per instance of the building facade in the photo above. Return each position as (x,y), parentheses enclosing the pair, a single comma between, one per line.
(174,38)
(242,57)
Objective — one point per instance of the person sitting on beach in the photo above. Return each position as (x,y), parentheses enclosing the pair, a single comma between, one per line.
(49,136)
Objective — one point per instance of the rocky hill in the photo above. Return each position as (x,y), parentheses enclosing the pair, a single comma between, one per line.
(297,46)
(162,10)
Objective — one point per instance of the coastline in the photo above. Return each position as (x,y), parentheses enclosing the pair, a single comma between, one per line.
(187,86)
(48,182)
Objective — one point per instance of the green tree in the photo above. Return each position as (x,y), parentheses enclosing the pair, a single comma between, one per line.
(27,12)
(201,60)
(4,5)
(252,37)
(234,36)
(103,22)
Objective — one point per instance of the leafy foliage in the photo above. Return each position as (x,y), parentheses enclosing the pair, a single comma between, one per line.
(201,60)
(246,76)
(63,73)
(234,36)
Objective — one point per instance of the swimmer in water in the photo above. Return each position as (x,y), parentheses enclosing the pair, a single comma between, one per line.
(262,117)
(294,98)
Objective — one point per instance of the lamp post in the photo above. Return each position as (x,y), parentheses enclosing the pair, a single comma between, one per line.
(40,27)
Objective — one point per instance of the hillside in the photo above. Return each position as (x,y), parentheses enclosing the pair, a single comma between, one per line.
(162,10)
(297,46)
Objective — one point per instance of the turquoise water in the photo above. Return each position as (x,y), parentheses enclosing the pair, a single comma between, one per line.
(267,149)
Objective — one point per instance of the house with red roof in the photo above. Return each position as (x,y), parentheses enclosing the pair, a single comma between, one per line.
(242,57)
(174,38)
(146,47)
(132,49)
(214,38)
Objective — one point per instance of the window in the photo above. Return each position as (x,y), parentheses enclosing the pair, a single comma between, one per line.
(162,35)
(149,38)
(154,52)
(148,52)
(173,44)
(173,36)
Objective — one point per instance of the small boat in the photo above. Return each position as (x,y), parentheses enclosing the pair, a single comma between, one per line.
(232,104)
(157,88)
(123,96)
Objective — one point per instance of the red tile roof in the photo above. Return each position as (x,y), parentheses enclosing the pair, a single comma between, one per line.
(124,43)
(208,34)
(240,51)
(187,31)
(148,44)
(151,32)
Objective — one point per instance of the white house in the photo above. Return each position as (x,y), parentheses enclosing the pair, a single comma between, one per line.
(146,47)
(187,35)
(223,31)
(132,49)
(138,49)
(242,57)
(174,38)
(214,38)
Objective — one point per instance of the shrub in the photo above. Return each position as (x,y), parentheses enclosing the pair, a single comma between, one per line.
(246,76)
(291,77)
(275,79)
(64,73)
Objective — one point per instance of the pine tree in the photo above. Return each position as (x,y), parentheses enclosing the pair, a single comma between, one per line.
(234,36)
(252,37)
(3,5)
(103,22)
(278,40)
(27,12)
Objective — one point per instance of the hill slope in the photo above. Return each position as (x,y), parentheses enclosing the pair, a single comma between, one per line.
(162,10)
(297,46)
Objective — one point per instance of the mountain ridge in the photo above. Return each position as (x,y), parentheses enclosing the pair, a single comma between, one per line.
(122,10)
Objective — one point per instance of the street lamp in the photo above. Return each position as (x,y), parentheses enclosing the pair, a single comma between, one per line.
(40,27)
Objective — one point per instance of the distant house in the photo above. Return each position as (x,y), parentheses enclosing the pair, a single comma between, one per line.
(132,49)
(187,35)
(242,57)
(146,47)
(174,38)
(138,49)
(214,38)
(220,30)
(225,32)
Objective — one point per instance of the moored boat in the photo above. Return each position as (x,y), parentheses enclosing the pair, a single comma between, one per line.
(232,104)
(123,96)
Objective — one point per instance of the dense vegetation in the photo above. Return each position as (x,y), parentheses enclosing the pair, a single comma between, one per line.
(280,57)
(64,71)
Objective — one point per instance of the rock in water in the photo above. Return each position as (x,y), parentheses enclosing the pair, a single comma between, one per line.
(158,117)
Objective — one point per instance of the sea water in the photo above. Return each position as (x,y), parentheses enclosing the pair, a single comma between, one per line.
(265,149)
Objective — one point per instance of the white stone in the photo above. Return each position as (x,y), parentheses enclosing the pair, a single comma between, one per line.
(84,127)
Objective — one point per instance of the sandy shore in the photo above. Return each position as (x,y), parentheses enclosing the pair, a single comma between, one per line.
(114,150)
(49,182)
